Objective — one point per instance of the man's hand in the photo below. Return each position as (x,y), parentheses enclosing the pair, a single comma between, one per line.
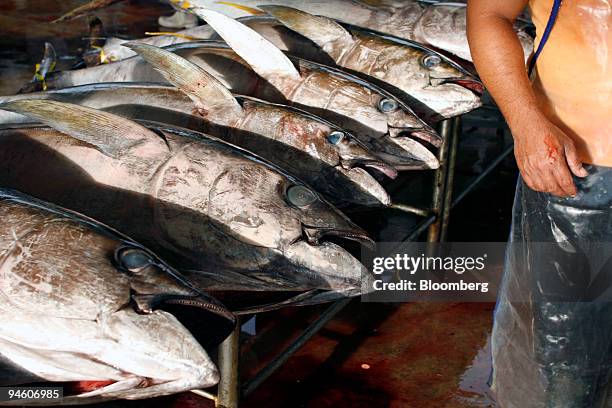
(547,158)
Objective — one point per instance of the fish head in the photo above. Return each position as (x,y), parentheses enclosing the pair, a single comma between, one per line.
(446,88)
(442,72)
(155,286)
(242,196)
(353,153)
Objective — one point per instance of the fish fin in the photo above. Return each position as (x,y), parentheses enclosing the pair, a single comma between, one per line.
(203,88)
(111,134)
(321,30)
(265,58)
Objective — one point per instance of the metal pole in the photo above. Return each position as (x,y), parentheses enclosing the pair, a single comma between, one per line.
(450,177)
(306,335)
(433,234)
(410,209)
(228,394)
(484,174)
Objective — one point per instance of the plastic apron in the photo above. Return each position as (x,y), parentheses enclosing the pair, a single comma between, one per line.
(552,336)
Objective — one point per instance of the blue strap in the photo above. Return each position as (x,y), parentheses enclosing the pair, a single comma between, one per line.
(549,26)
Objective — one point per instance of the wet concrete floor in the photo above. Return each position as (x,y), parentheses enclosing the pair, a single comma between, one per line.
(426,355)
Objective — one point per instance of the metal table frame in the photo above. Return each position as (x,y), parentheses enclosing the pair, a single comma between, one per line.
(435,221)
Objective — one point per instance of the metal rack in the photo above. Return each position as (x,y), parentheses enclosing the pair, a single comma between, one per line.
(435,222)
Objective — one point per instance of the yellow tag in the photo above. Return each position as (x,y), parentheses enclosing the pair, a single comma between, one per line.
(184,4)
(242,7)
(39,76)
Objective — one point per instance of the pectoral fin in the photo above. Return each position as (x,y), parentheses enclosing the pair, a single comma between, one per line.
(321,30)
(203,88)
(265,59)
(113,135)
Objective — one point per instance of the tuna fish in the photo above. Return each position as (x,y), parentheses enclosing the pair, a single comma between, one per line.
(379,119)
(207,206)
(79,301)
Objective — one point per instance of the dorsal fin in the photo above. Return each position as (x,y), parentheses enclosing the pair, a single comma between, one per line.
(265,59)
(113,135)
(321,30)
(203,88)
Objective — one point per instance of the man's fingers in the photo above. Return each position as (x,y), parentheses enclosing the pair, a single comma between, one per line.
(551,184)
(532,178)
(573,161)
(564,180)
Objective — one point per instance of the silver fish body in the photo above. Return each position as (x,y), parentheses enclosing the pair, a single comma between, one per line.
(205,205)
(294,140)
(81,302)
(340,97)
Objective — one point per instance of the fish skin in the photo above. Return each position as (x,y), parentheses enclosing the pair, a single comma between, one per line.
(180,198)
(344,99)
(334,169)
(58,277)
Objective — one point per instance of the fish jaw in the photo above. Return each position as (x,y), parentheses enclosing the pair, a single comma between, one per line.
(363,190)
(450,98)
(337,269)
(403,152)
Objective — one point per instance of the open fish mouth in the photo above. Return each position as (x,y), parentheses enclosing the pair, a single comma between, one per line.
(427,135)
(473,85)
(218,322)
(314,235)
(378,165)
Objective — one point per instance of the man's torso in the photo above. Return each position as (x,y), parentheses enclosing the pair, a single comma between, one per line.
(574,73)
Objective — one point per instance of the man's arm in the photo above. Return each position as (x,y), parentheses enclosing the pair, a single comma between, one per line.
(545,155)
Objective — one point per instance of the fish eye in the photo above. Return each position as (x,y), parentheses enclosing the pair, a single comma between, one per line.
(431,61)
(132,259)
(387,105)
(335,137)
(300,196)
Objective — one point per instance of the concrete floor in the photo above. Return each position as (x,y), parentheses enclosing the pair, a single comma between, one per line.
(428,355)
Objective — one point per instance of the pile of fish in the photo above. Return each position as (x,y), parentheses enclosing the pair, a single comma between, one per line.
(224,151)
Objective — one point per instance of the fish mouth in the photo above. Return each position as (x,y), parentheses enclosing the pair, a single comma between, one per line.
(378,165)
(313,235)
(427,135)
(219,321)
(472,84)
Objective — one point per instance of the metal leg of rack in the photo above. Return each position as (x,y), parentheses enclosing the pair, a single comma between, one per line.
(450,178)
(228,394)
(433,234)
